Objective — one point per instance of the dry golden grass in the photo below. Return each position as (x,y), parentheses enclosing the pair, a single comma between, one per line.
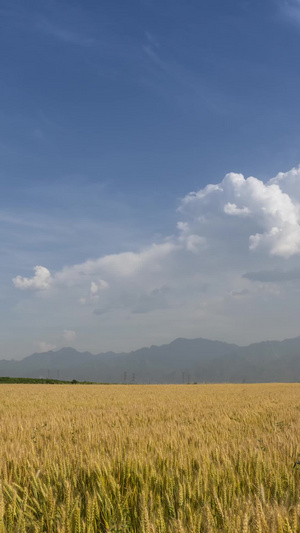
(198,458)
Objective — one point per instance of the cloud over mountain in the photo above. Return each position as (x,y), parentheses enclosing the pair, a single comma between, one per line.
(228,235)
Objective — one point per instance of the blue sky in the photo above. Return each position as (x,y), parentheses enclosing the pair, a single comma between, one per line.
(111,113)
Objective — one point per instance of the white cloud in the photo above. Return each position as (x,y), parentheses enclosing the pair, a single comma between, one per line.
(202,278)
(116,266)
(69,335)
(236,216)
(45,346)
(272,215)
(95,288)
(40,281)
(232,209)
(98,286)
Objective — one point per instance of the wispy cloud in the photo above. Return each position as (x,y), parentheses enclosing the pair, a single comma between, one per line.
(173,80)
(51,19)
(291,9)
(64,35)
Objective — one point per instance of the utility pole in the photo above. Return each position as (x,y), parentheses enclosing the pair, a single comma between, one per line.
(125,377)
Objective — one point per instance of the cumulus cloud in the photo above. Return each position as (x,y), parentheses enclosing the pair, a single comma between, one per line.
(41,280)
(232,209)
(237,217)
(271,216)
(96,287)
(69,335)
(229,234)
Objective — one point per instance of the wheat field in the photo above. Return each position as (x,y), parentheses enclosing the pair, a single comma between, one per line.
(149,458)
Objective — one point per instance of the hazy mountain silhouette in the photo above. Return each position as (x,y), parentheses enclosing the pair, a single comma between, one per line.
(193,360)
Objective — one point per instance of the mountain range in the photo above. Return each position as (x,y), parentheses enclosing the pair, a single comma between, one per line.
(181,361)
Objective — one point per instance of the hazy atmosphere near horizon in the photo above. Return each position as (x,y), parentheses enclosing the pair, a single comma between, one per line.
(150,179)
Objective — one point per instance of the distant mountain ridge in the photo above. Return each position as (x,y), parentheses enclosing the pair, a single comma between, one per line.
(182,360)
